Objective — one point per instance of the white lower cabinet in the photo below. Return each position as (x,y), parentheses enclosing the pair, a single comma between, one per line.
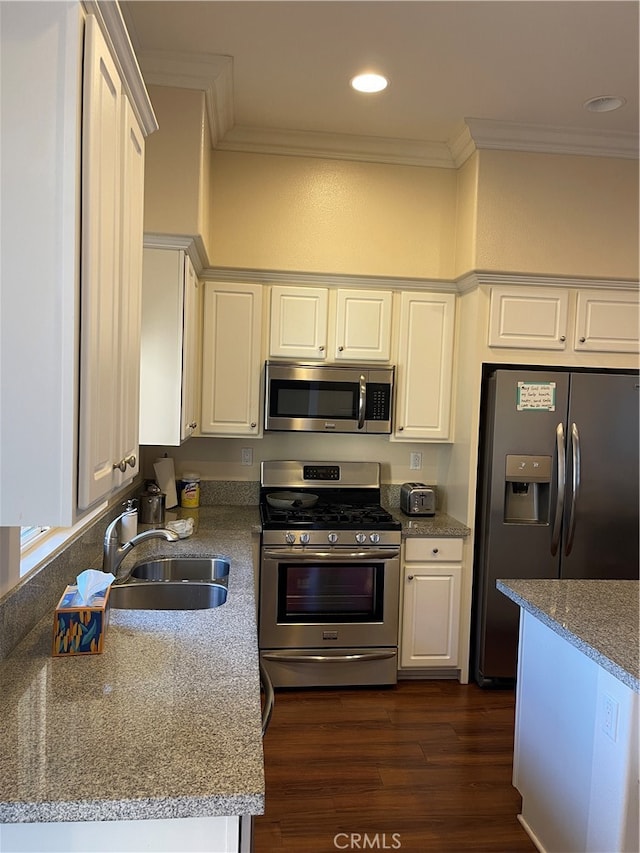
(231,359)
(432,574)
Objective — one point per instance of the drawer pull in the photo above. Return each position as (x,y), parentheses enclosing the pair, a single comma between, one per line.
(410,577)
(435,550)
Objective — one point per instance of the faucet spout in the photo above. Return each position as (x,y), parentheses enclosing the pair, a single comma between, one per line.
(114,553)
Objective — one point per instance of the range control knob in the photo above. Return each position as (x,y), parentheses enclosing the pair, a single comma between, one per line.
(375,538)
(304,538)
(332,538)
(290,538)
(360,538)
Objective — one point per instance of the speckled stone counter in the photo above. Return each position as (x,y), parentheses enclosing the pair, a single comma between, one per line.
(166,723)
(438,525)
(598,617)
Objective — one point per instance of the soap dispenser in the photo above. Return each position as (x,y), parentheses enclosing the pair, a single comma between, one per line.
(129,523)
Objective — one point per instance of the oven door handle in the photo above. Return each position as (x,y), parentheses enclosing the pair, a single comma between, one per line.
(339,556)
(285,656)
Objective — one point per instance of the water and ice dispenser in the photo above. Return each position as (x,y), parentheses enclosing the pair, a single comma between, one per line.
(527,486)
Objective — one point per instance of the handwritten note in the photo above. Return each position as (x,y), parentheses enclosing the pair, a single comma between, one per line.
(536,395)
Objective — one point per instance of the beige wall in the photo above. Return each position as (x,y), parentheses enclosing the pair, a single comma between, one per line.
(174,163)
(331,216)
(552,214)
(466,215)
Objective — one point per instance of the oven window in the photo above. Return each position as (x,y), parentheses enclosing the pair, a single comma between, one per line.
(332,592)
(300,399)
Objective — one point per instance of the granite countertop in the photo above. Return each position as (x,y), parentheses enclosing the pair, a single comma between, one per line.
(440,524)
(166,723)
(599,617)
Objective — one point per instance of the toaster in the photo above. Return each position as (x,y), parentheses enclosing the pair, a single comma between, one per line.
(417,499)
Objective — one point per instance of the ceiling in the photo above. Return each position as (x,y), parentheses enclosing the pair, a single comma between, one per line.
(509,74)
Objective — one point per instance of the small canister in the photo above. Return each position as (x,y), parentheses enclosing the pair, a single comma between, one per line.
(152,507)
(190,490)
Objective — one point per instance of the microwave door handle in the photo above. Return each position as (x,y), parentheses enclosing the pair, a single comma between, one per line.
(362,402)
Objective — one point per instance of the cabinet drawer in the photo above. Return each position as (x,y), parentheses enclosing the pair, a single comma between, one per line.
(431,548)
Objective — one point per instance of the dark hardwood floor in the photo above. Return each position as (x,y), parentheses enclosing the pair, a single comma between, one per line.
(424,766)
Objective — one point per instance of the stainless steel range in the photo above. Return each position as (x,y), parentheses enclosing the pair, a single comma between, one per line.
(329,575)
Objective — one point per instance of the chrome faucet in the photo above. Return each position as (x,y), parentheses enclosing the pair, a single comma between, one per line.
(114,553)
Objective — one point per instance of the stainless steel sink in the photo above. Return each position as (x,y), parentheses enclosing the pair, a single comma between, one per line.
(183,569)
(168,595)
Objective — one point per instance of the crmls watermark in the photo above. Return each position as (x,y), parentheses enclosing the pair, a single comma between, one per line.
(364,841)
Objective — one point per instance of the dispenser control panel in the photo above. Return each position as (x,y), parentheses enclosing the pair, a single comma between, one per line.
(528,469)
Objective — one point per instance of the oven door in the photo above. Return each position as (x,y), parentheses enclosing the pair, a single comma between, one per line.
(333,598)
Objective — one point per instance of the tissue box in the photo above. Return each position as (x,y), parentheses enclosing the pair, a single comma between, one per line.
(79,629)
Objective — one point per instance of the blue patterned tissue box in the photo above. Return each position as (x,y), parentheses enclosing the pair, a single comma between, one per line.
(79,629)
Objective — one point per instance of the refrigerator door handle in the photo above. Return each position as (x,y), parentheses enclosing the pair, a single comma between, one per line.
(575,482)
(557,521)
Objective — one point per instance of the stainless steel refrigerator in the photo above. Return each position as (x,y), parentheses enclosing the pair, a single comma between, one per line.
(557,493)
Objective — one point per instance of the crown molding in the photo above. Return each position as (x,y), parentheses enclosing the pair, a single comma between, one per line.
(478,278)
(210,73)
(193,246)
(337,146)
(546,139)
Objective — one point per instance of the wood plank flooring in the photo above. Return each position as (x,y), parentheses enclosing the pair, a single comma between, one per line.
(424,766)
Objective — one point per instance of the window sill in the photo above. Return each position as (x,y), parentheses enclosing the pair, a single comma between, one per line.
(52,541)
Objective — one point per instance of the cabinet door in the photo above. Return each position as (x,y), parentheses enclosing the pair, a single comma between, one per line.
(528,318)
(100,271)
(298,322)
(231,359)
(363,325)
(424,367)
(607,321)
(190,352)
(431,616)
(128,331)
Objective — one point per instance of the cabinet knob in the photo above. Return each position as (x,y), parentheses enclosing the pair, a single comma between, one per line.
(400,428)
(121,465)
(131,460)
(253,425)
(563,338)
(582,340)
(192,425)
(321,348)
(340,349)
(409,577)
(435,550)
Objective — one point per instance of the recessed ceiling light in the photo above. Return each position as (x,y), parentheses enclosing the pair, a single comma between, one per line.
(604,104)
(369,83)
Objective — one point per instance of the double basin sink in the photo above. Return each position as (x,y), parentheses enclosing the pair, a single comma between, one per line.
(174,583)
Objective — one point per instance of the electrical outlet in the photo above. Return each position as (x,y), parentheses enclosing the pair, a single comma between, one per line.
(610,716)
(246,456)
(415,461)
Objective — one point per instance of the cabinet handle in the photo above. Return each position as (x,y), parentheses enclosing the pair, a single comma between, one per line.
(340,349)
(582,340)
(400,428)
(563,338)
(253,425)
(435,550)
(121,465)
(409,577)
(192,425)
(131,460)
(321,348)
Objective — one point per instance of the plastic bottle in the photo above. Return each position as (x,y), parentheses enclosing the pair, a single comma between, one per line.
(129,523)
(190,490)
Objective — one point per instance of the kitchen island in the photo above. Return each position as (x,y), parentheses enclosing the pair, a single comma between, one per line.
(154,744)
(577,700)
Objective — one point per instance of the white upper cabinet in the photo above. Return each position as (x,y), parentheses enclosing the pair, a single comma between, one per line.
(71,258)
(607,321)
(528,317)
(298,322)
(170,350)
(564,319)
(231,359)
(322,324)
(112,196)
(424,368)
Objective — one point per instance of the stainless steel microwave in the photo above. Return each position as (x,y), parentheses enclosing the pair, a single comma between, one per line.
(328,398)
